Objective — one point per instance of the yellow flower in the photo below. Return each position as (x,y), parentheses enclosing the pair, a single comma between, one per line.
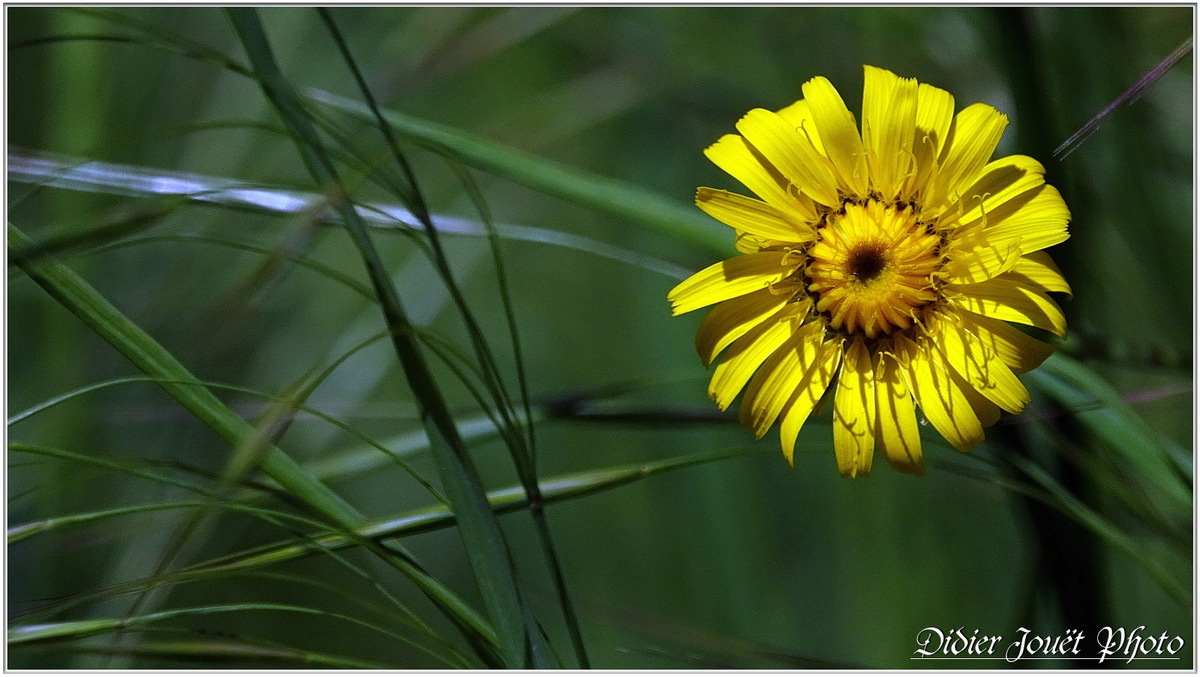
(887,262)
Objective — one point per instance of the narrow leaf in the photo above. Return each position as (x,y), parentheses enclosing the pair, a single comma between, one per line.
(143,351)
(622,200)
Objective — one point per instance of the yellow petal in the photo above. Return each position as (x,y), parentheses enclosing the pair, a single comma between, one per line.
(1009,298)
(1034,220)
(973,138)
(1040,270)
(979,366)
(896,433)
(731,319)
(799,116)
(791,152)
(889,116)
(753,216)
(940,398)
(736,157)
(812,387)
(728,279)
(935,113)
(839,134)
(985,410)
(975,258)
(749,244)
(999,182)
(854,413)
(1014,347)
(745,355)
(778,378)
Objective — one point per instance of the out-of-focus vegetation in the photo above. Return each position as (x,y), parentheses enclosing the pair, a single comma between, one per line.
(151,526)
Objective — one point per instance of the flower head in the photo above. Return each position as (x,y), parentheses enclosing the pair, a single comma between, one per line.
(883,267)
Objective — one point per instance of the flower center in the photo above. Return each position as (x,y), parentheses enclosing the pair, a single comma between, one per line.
(866,263)
(871,271)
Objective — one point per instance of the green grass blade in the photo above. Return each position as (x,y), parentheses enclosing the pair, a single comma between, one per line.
(106,320)
(152,359)
(622,200)
(1077,388)
(166,39)
(503,501)
(299,260)
(1069,505)
(487,550)
(406,443)
(284,521)
(20,532)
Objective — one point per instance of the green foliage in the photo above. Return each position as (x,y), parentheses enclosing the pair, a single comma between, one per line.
(401,273)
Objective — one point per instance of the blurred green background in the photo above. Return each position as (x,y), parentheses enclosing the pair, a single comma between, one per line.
(740,562)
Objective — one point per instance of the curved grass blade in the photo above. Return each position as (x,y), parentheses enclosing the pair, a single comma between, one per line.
(302,261)
(1115,423)
(503,501)
(270,426)
(622,200)
(118,226)
(274,517)
(20,532)
(144,352)
(166,39)
(116,179)
(1069,505)
(370,456)
(325,467)
(559,489)
(485,544)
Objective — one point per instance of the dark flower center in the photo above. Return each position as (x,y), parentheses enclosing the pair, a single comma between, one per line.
(866,263)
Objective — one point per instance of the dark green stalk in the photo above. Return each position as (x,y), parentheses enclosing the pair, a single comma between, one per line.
(1067,556)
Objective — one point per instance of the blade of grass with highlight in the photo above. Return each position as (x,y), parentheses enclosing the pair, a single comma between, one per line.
(486,548)
(144,352)
(622,200)
(115,179)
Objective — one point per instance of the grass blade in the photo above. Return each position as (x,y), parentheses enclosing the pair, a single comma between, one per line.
(622,200)
(152,359)
(1072,507)
(1128,97)
(1075,387)
(485,545)
(141,182)
(503,501)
